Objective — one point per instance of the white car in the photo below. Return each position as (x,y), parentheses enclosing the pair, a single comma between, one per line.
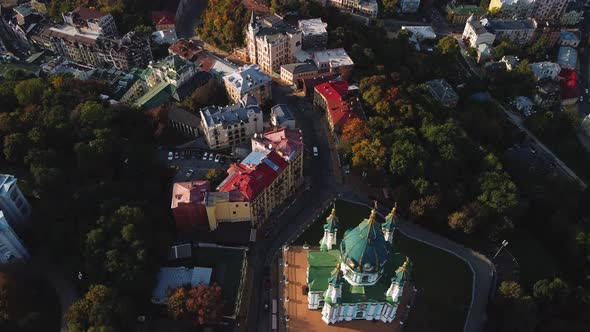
(217,157)
(586,90)
(581,98)
(170,155)
(315,151)
(211,156)
(189,173)
(205,156)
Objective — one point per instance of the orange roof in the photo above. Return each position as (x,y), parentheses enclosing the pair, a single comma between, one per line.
(187,192)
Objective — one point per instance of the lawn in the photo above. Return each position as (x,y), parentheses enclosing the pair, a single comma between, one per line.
(444,282)
(534,261)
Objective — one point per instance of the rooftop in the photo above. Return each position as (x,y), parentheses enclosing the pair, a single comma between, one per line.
(442,90)
(174,277)
(500,25)
(187,192)
(464,10)
(186,49)
(569,84)
(569,36)
(302,67)
(567,57)
(247,79)
(313,26)
(88,14)
(230,115)
(284,141)
(184,116)
(335,57)
(282,113)
(6,182)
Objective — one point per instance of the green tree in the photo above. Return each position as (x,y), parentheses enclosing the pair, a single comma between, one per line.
(408,157)
(29,91)
(498,192)
(505,48)
(222,23)
(96,310)
(448,45)
(7,97)
(94,115)
(389,7)
(15,146)
(550,290)
(510,290)
(215,176)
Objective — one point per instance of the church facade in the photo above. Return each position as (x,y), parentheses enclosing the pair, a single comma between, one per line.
(361,276)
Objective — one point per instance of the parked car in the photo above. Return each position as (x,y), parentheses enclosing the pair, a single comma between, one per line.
(315,151)
(211,156)
(586,90)
(205,156)
(170,155)
(222,160)
(217,157)
(176,155)
(581,98)
(189,173)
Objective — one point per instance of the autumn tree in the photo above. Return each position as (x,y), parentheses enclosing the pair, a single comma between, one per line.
(222,23)
(354,130)
(201,303)
(29,91)
(465,219)
(96,310)
(215,176)
(370,153)
(448,45)
(510,290)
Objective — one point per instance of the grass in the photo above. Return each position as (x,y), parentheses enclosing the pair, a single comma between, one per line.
(444,282)
(534,260)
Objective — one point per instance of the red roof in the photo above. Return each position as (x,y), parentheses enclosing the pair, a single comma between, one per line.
(87,14)
(286,142)
(187,192)
(569,84)
(163,17)
(334,93)
(185,49)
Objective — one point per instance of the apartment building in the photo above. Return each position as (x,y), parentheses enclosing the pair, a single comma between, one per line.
(475,33)
(512,8)
(224,127)
(458,14)
(333,61)
(543,70)
(271,42)
(248,80)
(314,34)
(364,7)
(91,21)
(336,99)
(573,13)
(280,116)
(292,72)
(549,10)
(12,201)
(520,32)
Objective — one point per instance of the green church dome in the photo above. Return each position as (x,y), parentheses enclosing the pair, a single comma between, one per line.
(332,221)
(364,249)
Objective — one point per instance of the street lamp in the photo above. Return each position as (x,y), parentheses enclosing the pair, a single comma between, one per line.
(504,244)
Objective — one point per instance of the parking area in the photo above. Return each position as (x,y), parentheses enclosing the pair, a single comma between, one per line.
(530,156)
(193,164)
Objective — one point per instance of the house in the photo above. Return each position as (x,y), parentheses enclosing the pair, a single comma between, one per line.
(271,42)
(567,57)
(570,89)
(248,80)
(512,8)
(420,34)
(15,207)
(11,246)
(511,62)
(23,21)
(545,69)
(569,38)
(368,8)
(184,122)
(484,52)
(520,32)
(524,105)
(549,10)
(458,14)
(547,94)
(314,33)
(336,99)
(475,33)
(186,49)
(409,6)
(162,37)
(224,127)
(442,91)
(164,20)
(573,13)
(333,61)
(280,116)
(292,72)
(175,277)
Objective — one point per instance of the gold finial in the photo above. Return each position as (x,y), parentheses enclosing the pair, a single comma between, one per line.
(333,214)
(405,265)
(392,213)
(373,213)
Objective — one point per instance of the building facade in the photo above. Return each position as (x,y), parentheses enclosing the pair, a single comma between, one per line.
(91,21)
(573,13)
(367,8)
(292,72)
(280,116)
(314,34)
(458,14)
(335,61)
(475,33)
(512,8)
(248,80)
(12,201)
(546,69)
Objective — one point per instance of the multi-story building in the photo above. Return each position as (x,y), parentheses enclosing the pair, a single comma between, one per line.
(292,72)
(573,13)
(11,246)
(24,23)
(549,10)
(12,201)
(512,8)
(280,116)
(271,42)
(569,38)
(340,105)
(409,6)
(91,21)
(186,49)
(567,57)
(520,32)
(227,126)
(458,14)
(543,70)
(333,61)
(475,33)
(314,34)
(248,80)
(548,31)
(368,8)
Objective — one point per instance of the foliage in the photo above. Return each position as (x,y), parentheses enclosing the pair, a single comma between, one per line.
(29,91)
(212,93)
(550,290)
(447,45)
(510,290)
(222,23)
(389,7)
(215,176)
(201,303)
(99,310)
(505,48)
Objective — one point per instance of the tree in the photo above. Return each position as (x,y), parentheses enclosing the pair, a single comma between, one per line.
(510,290)
(448,139)
(215,176)
(354,130)
(211,93)
(95,310)
(408,157)
(369,153)
(448,45)
(389,7)
(550,290)
(424,206)
(15,146)
(505,48)
(201,303)
(29,91)
(498,192)
(222,23)
(465,219)
(94,115)
(7,97)
(537,51)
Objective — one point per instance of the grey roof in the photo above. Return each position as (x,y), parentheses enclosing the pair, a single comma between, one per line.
(232,114)
(282,112)
(6,181)
(567,57)
(499,25)
(180,251)
(296,68)
(174,277)
(274,25)
(569,35)
(247,78)
(442,90)
(183,116)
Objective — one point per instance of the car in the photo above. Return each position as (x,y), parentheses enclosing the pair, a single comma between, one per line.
(211,156)
(533,151)
(205,156)
(176,155)
(581,98)
(189,173)
(315,151)
(586,90)
(217,157)
(170,155)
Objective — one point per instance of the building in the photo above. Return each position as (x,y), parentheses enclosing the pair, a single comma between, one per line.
(549,31)
(280,116)
(175,277)
(420,35)
(184,122)
(570,89)
(224,127)
(549,10)
(524,105)
(567,57)
(188,206)
(186,49)
(512,8)
(314,34)
(475,33)
(364,261)
(511,62)
(335,98)
(248,80)
(172,69)
(443,92)
(409,6)
(292,72)
(546,69)
(484,52)
(368,8)
(91,21)
(13,203)
(333,61)
(547,94)
(162,37)
(163,20)
(569,38)
(269,175)
(458,14)
(23,23)
(11,246)
(271,42)
(573,13)
(520,32)
(307,85)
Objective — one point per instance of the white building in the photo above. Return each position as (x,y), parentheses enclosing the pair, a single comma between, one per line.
(315,33)
(161,37)
(333,61)
(475,33)
(280,116)
(292,72)
(228,126)
(520,32)
(409,6)
(511,62)
(12,201)
(248,80)
(420,34)
(545,69)
(11,246)
(270,42)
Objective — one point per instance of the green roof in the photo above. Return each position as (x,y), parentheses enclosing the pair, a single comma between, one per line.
(390,221)
(464,10)
(320,265)
(332,221)
(158,95)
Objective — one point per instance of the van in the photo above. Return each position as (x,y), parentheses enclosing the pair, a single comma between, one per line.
(315,151)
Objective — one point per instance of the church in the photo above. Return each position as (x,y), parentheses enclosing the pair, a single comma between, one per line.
(361,276)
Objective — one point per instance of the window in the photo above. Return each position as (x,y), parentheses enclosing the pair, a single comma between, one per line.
(321,303)
(365,279)
(234,212)
(360,314)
